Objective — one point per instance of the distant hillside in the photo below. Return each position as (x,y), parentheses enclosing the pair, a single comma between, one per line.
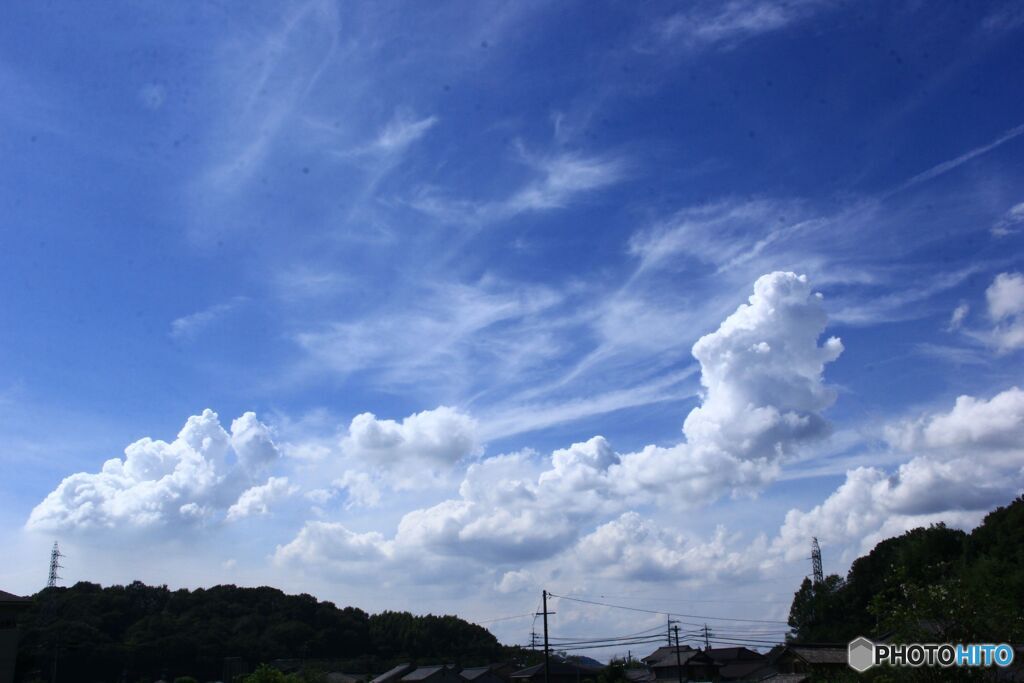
(136,631)
(935,584)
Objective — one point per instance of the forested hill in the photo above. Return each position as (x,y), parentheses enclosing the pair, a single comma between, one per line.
(933,585)
(139,630)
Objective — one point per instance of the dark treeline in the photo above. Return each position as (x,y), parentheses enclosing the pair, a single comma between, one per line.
(142,632)
(928,585)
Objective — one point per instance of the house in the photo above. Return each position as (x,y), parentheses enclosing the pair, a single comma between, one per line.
(739,663)
(10,607)
(662,652)
(341,677)
(432,674)
(806,659)
(485,674)
(394,674)
(560,672)
(688,665)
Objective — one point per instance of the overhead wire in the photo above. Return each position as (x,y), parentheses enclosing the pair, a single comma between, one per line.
(515,616)
(670,614)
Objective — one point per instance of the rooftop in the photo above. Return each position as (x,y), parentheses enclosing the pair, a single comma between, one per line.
(423,672)
(557,667)
(393,673)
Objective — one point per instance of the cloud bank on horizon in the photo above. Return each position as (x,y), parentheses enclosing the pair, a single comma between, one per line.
(500,308)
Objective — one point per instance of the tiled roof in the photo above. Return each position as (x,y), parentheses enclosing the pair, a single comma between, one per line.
(731,654)
(685,656)
(665,650)
(557,667)
(423,672)
(393,673)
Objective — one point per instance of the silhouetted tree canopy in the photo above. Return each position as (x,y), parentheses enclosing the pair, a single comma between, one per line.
(139,631)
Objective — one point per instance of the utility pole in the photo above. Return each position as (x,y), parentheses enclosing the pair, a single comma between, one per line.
(547,656)
(679,661)
(707,646)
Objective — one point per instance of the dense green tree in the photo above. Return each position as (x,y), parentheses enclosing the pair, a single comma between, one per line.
(615,672)
(816,612)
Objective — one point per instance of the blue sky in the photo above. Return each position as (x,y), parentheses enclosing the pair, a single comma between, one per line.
(433,247)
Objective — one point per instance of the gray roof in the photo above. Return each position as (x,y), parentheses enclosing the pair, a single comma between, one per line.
(475,672)
(393,673)
(665,650)
(557,667)
(423,672)
(684,658)
(733,654)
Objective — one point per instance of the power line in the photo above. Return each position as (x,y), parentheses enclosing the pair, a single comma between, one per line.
(599,647)
(678,614)
(614,643)
(515,616)
(591,641)
(685,600)
(628,635)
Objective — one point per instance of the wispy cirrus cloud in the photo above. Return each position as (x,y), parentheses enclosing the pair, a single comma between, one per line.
(403,130)
(260,104)
(188,327)
(559,179)
(947,166)
(1011,222)
(726,25)
(451,331)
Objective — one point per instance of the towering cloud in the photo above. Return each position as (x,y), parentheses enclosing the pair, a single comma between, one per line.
(762,370)
(159,484)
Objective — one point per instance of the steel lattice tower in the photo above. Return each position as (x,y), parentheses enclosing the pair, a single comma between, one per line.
(55,564)
(819,575)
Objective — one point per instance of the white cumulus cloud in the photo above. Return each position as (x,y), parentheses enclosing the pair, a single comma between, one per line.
(969,460)
(160,484)
(258,499)
(1005,298)
(762,370)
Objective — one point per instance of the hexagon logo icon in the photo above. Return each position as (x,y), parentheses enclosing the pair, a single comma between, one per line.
(861,654)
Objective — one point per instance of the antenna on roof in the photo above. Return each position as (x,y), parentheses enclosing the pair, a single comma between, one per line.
(819,575)
(55,564)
